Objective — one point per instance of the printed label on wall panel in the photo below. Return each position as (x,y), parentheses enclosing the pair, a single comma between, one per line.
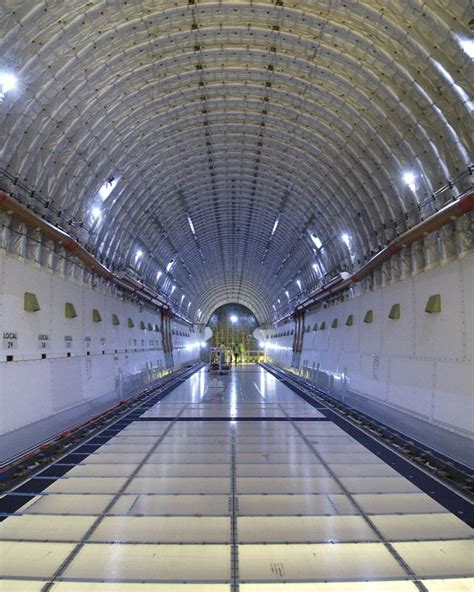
(68,341)
(10,340)
(43,341)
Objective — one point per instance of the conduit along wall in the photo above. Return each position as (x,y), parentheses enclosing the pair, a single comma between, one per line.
(123,281)
(461,206)
(402,353)
(70,349)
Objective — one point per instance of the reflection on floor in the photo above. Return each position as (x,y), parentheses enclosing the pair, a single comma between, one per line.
(253,491)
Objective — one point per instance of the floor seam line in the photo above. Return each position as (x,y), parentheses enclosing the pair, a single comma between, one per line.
(393,552)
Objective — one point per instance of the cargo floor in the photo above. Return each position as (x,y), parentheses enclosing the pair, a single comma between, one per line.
(243,486)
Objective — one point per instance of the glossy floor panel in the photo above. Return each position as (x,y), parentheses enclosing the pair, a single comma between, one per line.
(255,492)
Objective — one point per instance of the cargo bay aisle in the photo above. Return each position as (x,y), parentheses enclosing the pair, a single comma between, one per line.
(252,489)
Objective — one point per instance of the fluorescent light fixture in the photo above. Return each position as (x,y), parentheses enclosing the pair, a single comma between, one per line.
(107,188)
(233,318)
(346,239)
(287,294)
(159,274)
(170,265)
(173,289)
(7,82)
(96,213)
(138,255)
(275,225)
(298,283)
(182,298)
(409,178)
(191,225)
(315,267)
(274,307)
(317,241)
(467,46)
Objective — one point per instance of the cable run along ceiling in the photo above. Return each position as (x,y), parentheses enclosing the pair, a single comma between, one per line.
(236,131)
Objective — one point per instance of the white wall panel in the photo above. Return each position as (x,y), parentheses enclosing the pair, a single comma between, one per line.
(454,400)
(25,393)
(68,333)
(411,385)
(440,335)
(18,279)
(398,334)
(115,360)
(467,299)
(66,383)
(371,333)
(351,340)
(420,364)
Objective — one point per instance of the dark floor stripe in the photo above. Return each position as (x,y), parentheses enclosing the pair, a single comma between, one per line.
(11,502)
(187,419)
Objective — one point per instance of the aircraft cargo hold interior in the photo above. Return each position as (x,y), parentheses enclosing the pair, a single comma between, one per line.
(236,296)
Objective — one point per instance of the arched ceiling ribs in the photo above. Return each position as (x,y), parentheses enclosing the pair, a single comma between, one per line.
(217,112)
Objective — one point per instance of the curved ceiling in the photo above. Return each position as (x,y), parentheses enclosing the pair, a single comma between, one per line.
(234,131)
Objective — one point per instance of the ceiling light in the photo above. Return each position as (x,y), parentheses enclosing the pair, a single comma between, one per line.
(173,289)
(346,239)
(95,213)
(191,225)
(275,225)
(287,294)
(409,177)
(7,82)
(468,47)
(138,254)
(233,318)
(107,188)
(317,241)
(159,274)
(298,283)
(170,265)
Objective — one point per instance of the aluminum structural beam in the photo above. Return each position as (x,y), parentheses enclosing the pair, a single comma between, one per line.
(235,151)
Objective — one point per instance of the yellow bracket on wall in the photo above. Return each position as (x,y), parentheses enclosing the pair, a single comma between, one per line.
(394,312)
(335,324)
(115,319)
(69,311)
(96,318)
(350,320)
(157,329)
(323,326)
(315,327)
(142,325)
(434,304)
(30,302)
(131,324)
(369,316)
(150,327)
